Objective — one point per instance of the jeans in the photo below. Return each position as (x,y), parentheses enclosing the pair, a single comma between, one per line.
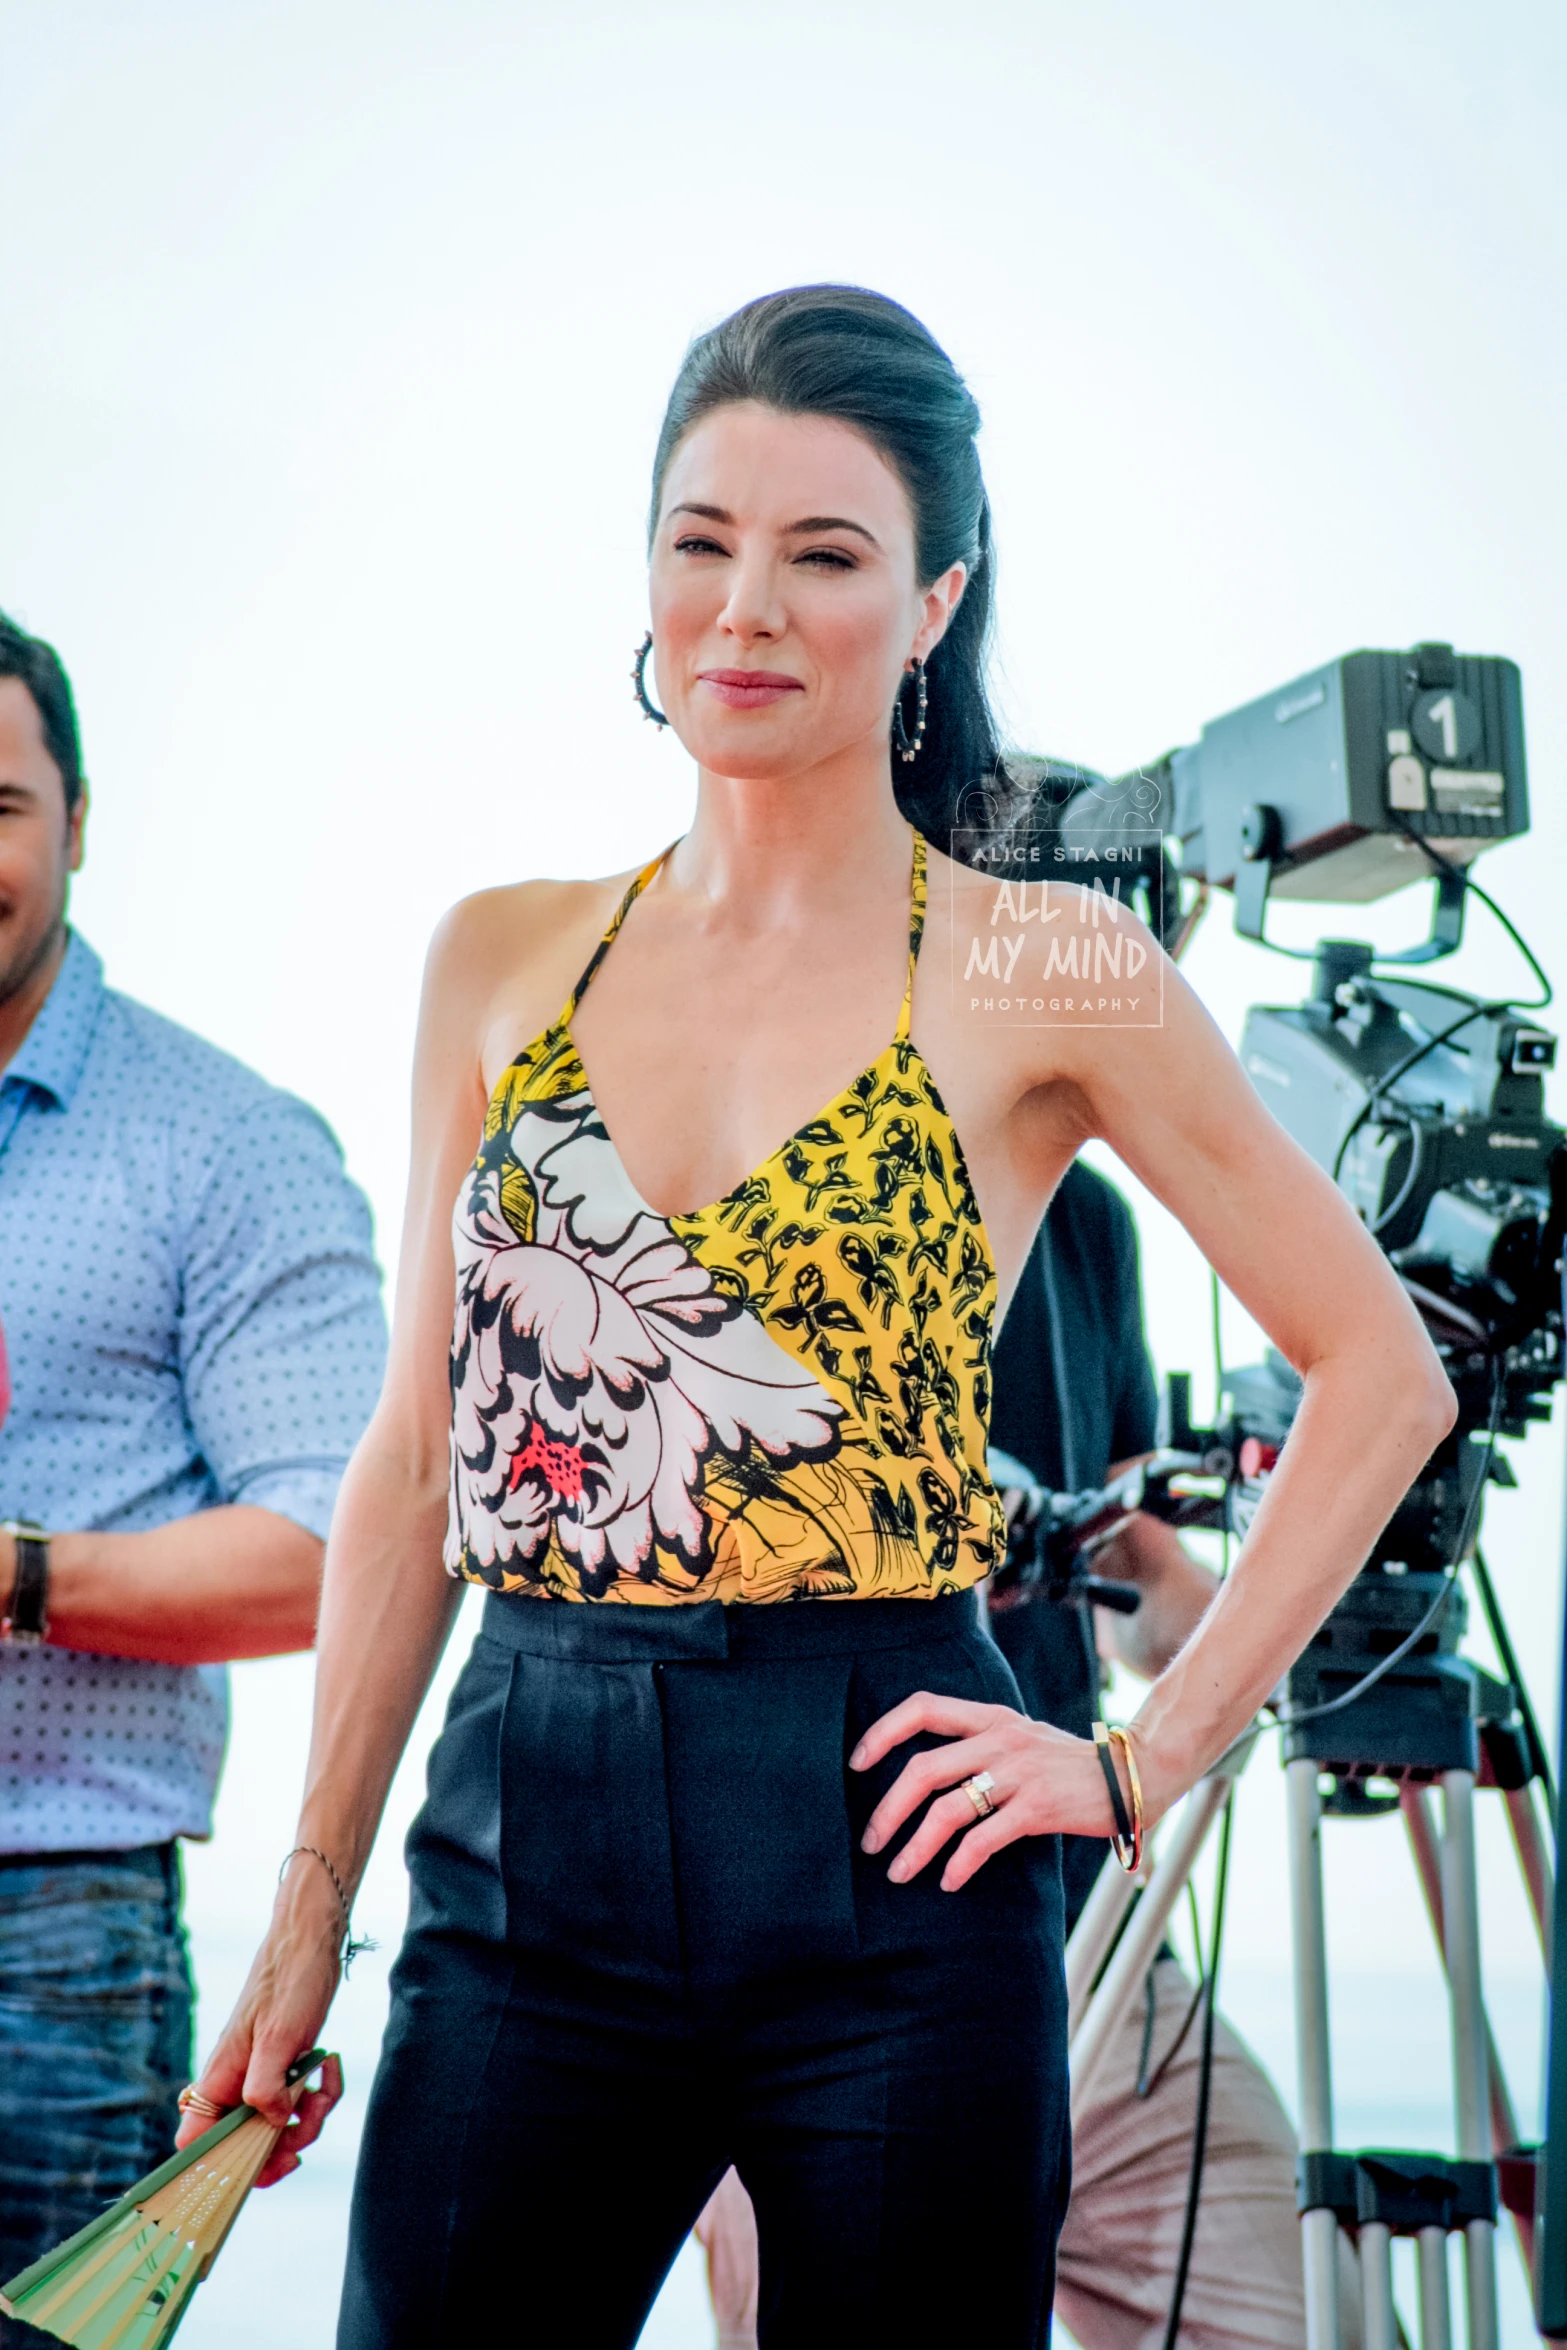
(95,2041)
(644,1943)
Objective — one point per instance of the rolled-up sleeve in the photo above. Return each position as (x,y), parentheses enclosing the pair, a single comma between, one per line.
(282,1330)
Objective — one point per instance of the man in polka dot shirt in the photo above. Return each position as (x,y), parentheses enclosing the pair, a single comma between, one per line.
(192,1313)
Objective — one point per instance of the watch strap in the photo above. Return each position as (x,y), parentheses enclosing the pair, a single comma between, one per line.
(27,1611)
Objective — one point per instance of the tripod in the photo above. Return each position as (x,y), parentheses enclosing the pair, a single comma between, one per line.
(1436,1721)
(1377,2193)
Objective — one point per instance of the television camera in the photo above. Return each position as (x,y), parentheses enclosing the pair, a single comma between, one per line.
(1426,1106)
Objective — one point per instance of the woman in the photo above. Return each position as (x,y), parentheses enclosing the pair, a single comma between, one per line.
(704,1877)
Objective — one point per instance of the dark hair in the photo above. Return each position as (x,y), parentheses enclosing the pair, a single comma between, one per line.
(843,352)
(41,670)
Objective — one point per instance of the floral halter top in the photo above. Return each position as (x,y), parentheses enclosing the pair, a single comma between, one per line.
(785,1395)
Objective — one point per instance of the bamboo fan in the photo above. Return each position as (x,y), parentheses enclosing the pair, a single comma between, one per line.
(125,2280)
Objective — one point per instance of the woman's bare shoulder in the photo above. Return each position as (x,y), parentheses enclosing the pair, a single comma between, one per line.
(504,960)
(522,919)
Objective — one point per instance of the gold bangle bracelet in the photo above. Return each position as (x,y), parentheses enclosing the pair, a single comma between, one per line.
(1125,1832)
(1123,1739)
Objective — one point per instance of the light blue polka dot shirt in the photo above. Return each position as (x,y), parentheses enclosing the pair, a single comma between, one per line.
(192,1310)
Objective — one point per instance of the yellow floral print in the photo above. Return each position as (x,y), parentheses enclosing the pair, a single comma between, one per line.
(783,1396)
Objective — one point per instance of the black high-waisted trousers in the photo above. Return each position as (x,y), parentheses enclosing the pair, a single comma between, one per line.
(644,1944)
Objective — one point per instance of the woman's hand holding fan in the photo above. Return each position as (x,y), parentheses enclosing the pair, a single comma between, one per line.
(283,2006)
(124,2282)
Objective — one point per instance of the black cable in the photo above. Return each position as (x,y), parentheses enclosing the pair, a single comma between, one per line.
(1471,888)
(1204,2079)
(1538,1758)
(1547,994)
(1390,1077)
(1450,1573)
(1312,1713)
(1150,2016)
(1417,1155)
(1147,2082)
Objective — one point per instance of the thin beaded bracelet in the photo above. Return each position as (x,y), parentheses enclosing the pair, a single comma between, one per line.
(349,1949)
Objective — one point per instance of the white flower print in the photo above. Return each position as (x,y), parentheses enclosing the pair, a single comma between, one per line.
(597,1367)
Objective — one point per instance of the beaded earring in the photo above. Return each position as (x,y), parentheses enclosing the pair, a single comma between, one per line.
(648,708)
(908,745)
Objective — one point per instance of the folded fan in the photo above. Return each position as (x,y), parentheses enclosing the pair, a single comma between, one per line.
(125,2280)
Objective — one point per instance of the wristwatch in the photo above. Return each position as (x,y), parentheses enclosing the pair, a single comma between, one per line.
(26,1619)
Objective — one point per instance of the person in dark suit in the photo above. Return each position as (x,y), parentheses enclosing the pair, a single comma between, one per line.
(1075,1396)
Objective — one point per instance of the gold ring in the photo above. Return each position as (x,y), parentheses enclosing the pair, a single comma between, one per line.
(191,2100)
(977,1789)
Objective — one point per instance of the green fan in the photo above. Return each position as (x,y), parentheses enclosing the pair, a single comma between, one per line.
(125,2280)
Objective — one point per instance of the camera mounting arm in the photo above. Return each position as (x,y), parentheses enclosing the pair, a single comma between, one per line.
(1374,771)
(1261,840)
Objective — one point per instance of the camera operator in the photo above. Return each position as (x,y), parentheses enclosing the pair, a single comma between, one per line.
(1074,1396)
(193,1313)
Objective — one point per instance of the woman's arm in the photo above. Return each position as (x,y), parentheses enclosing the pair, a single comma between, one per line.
(387,1605)
(1174,1589)
(1175,1105)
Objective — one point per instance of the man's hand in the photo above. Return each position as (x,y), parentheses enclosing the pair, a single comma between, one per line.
(1023,1507)
(221,1584)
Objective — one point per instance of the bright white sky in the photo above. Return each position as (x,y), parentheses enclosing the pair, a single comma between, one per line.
(335,341)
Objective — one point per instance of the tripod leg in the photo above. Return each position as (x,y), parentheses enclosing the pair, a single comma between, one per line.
(1471,2084)
(1135,1952)
(1416,1802)
(1094,1934)
(1533,1859)
(1376,2287)
(1436,2321)
(1319,2229)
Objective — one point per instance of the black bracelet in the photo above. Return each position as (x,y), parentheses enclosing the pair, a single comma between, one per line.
(349,1949)
(1124,1839)
(26,1620)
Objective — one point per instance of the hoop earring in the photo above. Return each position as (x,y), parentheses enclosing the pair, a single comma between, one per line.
(906,745)
(638,666)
